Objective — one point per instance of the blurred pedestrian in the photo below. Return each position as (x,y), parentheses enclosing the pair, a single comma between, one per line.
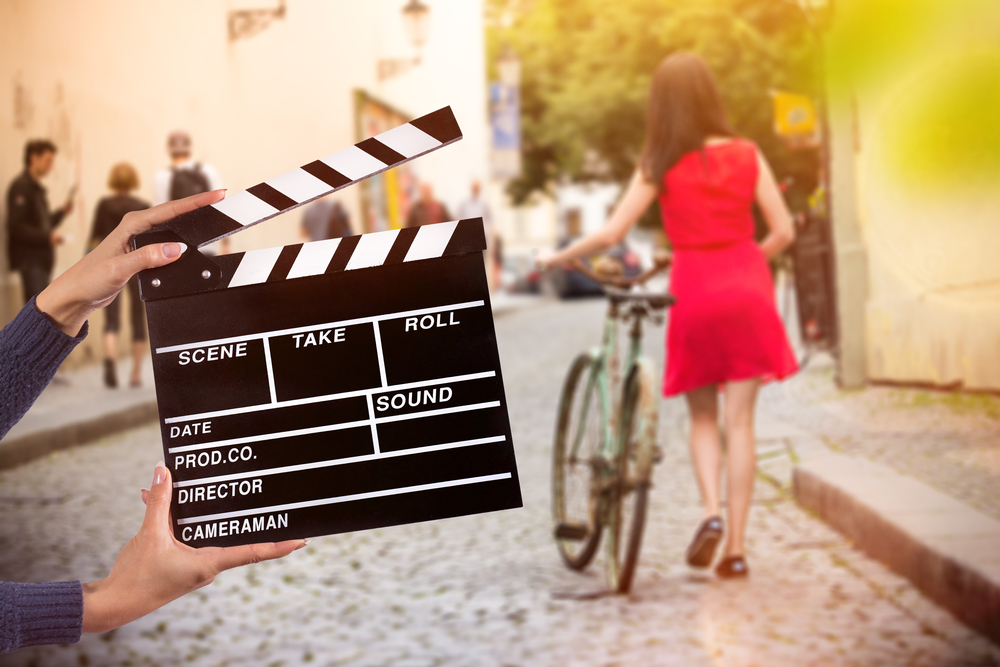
(31,226)
(476,207)
(427,210)
(724,332)
(185,177)
(110,211)
(153,567)
(326,219)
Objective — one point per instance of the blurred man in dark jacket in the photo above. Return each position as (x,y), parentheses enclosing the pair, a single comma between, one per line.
(31,226)
(427,210)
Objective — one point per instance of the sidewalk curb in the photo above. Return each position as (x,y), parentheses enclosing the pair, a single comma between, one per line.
(39,443)
(947,550)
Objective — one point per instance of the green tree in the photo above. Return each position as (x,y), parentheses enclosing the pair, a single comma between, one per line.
(586,68)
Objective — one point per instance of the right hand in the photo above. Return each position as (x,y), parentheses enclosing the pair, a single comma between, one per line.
(155,568)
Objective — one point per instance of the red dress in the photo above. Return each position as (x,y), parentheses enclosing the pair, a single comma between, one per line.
(725,325)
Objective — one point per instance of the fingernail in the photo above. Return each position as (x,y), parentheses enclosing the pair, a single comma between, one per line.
(171,250)
(304,543)
(159,474)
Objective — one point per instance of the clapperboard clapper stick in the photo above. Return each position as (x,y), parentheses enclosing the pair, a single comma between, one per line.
(330,386)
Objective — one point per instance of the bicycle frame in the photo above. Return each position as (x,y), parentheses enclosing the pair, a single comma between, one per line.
(604,377)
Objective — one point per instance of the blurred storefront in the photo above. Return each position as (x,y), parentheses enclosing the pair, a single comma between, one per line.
(261,87)
(916,218)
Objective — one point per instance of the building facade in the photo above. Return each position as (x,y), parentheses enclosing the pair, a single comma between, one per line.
(261,87)
(917,245)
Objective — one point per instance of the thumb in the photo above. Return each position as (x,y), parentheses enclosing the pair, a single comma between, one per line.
(158,499)
(151,256)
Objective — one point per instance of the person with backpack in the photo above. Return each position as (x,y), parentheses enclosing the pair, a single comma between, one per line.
(185,177)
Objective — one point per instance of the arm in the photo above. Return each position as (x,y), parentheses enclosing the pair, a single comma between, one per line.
(639,195)
(36,614)
(35,343)
(779,221)
(154,568)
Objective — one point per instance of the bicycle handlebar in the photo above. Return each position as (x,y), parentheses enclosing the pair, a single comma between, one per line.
(661,262)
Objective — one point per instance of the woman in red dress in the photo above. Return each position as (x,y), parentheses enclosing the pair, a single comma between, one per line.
(724,334)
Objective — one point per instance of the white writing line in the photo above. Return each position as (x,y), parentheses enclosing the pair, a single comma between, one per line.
(381,358)
(329,397)
(346,499)
(270,369)
(434,413)
(371,418)
(268,436)
(315,327)
(333,427)
(339,462)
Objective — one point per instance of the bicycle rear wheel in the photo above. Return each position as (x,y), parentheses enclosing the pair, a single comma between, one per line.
(626,518)
(574,456)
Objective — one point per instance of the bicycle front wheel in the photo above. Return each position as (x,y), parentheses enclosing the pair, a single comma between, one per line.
(574,457)
(626,518)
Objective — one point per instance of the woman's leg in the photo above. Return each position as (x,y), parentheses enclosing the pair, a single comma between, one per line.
(706,448)
(138,312)
(110,345)
(741,466)
(138,352)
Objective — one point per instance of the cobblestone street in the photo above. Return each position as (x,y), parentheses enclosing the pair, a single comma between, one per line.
(490,589)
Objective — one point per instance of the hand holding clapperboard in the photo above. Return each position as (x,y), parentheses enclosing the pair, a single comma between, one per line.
(330,386)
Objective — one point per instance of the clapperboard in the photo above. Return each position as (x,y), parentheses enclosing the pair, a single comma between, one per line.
(330,386)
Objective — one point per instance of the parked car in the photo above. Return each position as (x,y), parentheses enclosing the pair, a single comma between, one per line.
(566,281)
(519,275)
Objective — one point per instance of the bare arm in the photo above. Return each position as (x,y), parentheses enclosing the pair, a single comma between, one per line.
(638,197)
(781,231)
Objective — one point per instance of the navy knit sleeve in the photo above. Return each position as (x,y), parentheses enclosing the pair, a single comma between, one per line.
(33,614)
(31,350)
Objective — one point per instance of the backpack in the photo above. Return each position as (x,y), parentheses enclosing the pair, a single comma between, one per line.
(187,182)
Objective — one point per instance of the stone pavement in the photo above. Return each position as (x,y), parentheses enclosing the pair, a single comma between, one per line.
(906,475)
(488,589)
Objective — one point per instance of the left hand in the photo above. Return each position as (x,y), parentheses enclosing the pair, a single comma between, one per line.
(96,279)
(154,568)
(545,259)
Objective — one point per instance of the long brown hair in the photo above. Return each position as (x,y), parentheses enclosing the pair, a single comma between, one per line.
(685,108)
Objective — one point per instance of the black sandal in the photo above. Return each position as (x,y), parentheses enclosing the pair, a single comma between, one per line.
(732,567)
(702,548)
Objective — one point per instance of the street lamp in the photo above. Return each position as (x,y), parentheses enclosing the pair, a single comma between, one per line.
(416,18)
(416,21)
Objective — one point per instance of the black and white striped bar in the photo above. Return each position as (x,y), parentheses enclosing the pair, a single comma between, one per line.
(317,179)
(364,251)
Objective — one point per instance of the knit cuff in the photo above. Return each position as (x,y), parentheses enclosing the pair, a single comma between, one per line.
(40,345)
(48,613)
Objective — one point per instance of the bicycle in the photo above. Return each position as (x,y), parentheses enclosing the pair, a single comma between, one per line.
(605,440)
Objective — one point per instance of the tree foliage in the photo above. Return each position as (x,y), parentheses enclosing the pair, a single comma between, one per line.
(586,68)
